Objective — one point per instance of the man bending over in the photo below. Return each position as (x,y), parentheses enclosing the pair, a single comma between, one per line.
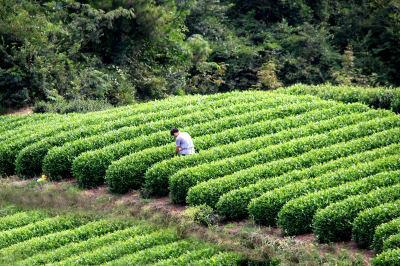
(183,141)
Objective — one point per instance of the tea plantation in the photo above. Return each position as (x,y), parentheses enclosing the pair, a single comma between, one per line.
(299,162)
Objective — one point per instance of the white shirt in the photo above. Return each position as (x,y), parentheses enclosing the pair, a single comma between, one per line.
(184,140)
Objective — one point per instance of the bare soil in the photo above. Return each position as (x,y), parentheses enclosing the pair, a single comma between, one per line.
(21,111)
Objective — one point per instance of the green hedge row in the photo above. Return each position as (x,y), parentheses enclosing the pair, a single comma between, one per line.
(209,192)
(295,217)
(335,222)
(387,258)
(189,257)
(121,248)
(233,204)
(52,241)
(59,122)
(265,208)
(29,160)
(156,253)
(88,176)
(69,250)
(374,97)
(366,221)
(383,231)
(20,219)
(40,228)
(57,163)
(156,177)
(90,167)
(131,169)
(16,122)
(10,149)
(121,111)
(392,242)
(33,127)
(185,179)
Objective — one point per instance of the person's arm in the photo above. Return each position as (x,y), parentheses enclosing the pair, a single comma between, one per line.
(178,145)
(178,149)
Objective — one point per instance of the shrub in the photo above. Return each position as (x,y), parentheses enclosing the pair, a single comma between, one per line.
(10,149)
(265,209)
(131,168)
(183,180)
(20,219)
(387,258)
(295,217)
(335,222)
(156,177)
(365,223)
(58,161)
(374,97)
(392,242)
(205,215)
(233,204)
(118,249)
(52,241)
(89,176)
(29,160)
(31,127)
(16,123)
(156,253)
(210,191)
(72,249)
(383,231)
(40,228)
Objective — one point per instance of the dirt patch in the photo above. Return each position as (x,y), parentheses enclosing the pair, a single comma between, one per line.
(95,192)
(21,111)
(16,181)
(164,204)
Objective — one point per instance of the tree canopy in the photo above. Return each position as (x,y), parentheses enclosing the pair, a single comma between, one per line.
(120,51)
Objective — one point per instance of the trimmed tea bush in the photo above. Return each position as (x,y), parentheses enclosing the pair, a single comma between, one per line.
(366,222)
(335,222)
(383,231)
(233,205)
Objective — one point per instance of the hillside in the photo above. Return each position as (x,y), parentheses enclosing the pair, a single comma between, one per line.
(301,163)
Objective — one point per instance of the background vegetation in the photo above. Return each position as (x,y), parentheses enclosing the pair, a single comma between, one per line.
(59,54)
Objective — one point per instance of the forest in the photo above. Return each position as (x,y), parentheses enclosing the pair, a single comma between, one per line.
(70,55)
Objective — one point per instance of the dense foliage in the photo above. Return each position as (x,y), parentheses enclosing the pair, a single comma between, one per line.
(66,52)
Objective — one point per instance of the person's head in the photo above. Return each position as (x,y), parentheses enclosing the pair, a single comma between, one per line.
(174,132)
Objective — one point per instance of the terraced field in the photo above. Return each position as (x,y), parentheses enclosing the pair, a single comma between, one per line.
(302,163)
(38,238)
